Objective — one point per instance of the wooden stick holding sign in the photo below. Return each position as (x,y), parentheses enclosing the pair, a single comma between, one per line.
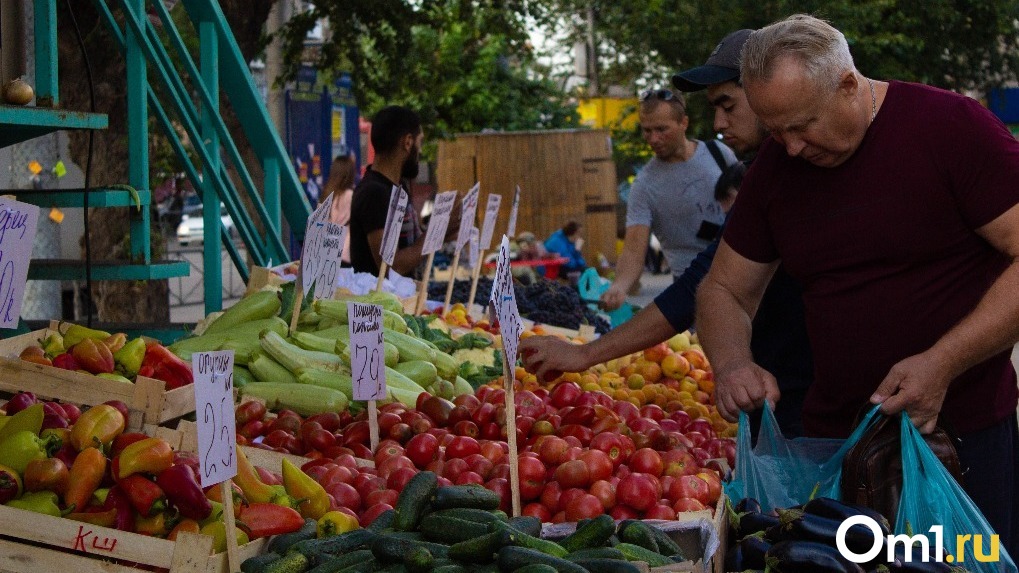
(468,212)
(391,233)
(17,233)
(367,360)
(503,304)
(320,258)
(484,243)
(441,211)
(217,433)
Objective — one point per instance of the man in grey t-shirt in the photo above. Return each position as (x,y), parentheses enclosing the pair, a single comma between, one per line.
(673,195)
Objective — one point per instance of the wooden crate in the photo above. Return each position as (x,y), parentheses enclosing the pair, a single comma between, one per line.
(148,399)
(32,542)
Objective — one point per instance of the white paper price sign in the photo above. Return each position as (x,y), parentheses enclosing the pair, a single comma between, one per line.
(473,249)
(511,227)
(439,222)
(468,213)
(214,412)
(314,232)
(503,302)
(491,215)
(367,355)
(17,233)
(394,222)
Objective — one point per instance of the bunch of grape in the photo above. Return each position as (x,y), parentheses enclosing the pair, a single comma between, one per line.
(544,301)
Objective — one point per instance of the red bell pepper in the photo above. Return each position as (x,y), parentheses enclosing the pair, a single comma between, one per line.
(118,500)
(145,496)
(265,519)
(180,484)
(161,364)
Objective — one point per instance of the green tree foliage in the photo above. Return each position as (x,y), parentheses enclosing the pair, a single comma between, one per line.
(464,65)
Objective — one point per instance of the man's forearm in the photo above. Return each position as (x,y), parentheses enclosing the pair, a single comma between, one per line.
(629,267)
(992,327)
(408,258)
(647,328)
(723,326)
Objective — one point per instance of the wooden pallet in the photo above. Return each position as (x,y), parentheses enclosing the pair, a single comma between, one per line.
(32,542)
(148,398)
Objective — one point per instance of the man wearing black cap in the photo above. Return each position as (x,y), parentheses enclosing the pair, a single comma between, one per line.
(780,341)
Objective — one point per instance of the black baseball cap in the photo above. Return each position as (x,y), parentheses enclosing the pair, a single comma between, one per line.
(722,65)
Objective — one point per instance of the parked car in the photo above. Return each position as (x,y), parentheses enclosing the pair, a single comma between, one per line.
(192,225)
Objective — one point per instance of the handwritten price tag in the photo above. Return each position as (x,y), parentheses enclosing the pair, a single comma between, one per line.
(214,411)
(468,213)
(511,227)
(314,233)
(491,215)
(439,222)
(326,260)
(17,233)
(503,303)
(394,222)
(367,355)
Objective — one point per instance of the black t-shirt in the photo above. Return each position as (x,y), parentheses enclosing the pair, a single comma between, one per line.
(368,210)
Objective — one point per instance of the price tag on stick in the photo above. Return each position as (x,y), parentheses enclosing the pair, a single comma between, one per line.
(468,213)
(394,222)
(503,304)
(439,222)
(491,215)
(367,360)
(314,234)
(18,223)
(511,227)
(217,432)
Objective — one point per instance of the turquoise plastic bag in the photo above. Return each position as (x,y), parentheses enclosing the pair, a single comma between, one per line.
(931,496)
(780,472)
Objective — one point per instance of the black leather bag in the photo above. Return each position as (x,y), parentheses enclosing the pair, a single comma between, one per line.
(872,469)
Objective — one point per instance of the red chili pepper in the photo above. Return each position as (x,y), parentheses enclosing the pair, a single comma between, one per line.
(118,500)
(161,364)
(265,519)
(180,484)
(145,496)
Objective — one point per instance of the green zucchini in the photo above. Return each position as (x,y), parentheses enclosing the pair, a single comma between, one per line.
(410,506)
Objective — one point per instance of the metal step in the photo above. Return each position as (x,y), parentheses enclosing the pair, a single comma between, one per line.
(71,198)
(74,269)
(18,123)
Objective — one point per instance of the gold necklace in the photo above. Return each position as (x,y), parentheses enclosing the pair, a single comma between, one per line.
(873,100)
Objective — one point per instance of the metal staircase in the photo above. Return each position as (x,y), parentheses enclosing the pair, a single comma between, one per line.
(164,80)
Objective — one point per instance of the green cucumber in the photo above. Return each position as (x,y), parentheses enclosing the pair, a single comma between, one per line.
(637,553)
(512,558)
(389,549)
(384,520)
(478,550)
(593,533)
(413,500)
(360,561)
(467,514)
(418,560)
(446,529)
(528,524)
(638,533)
(279,544)
(318,550)
(465,496)
(292,562)
(608,565)
(596,553)
(666,545)
(536,568)
(257,563)
(451,568)
(513,536)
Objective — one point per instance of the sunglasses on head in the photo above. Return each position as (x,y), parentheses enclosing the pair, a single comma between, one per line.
(664,95)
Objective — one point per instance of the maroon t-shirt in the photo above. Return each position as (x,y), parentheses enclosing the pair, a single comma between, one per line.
(885,248)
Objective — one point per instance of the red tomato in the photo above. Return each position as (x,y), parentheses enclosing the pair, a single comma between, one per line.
(535,509)
(454,467)
(714,486)
(398,478)
(653,411)
(605,492)
(569,495)
(461,447)
(248,411)
(583,507)
(646,461)
(679,462)
(480,465)
(345,495)
(621,512)
(660,511)
(338,473)
(388,449)
(691,487)
(582,433)
(553,450)
(638,491)
(468,477)
(365,483)
(469,401)
(493,451)
(373,512)
(574,473)
(501,471)
(319,439)
(391,464)
(565,394)
(598,464)
(387,496)
(610,444)
(550,496)
(532,478)
(466,428)
(687,504)
(502,487)
(422,449)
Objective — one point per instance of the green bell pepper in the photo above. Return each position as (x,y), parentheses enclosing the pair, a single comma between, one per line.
(21,447)
(38,501)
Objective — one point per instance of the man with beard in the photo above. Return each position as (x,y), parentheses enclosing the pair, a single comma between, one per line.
(396,136)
